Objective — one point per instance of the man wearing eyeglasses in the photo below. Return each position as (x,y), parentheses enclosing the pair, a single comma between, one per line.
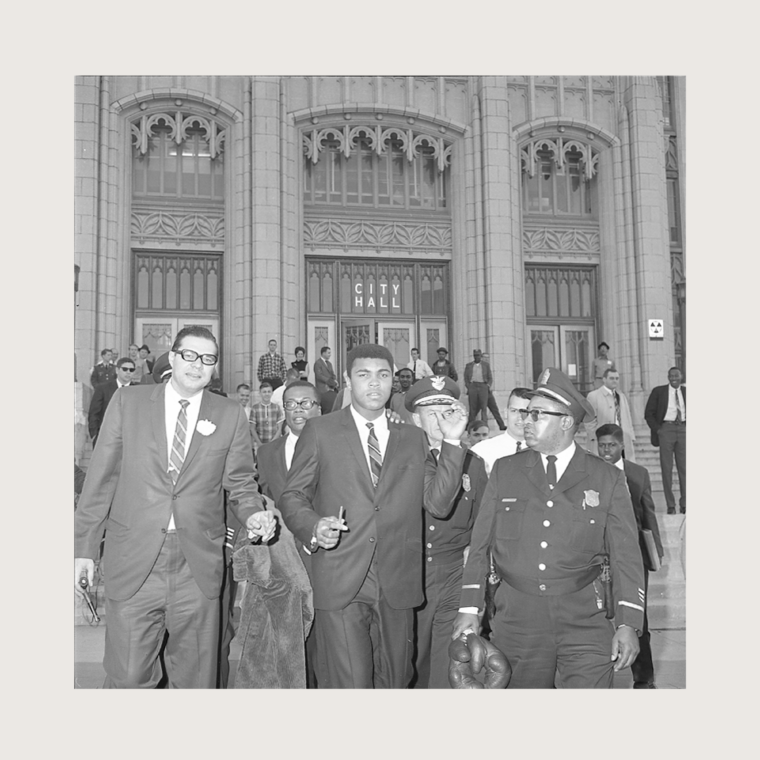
(550,515)
(155,486)
(103,394)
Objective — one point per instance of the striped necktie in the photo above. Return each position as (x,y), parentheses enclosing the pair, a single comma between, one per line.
(519,446)
(178,444)
(375,457)
(617,408)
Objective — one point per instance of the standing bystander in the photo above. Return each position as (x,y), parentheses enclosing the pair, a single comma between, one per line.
(103,394)
(266,417)
(272,367)
(611,407)
(104,371)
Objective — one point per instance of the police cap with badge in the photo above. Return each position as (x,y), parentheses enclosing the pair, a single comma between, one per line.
(430,391)
(556,385)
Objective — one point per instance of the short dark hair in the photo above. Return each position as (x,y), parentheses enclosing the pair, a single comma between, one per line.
(608,370)
(520,392)
(368,351)
(610,429)
(672,368)
(603,343)
(123,360)
(300,348)
(243,387)
(196,331)
(404,369)
(475,424)
(300,384)
(416,349)
(323,349)
(106,351)
(265,384)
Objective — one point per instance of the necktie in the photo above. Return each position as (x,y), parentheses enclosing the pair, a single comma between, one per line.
(414,371)
(551,470)
(617,408)
(436,454)
(178,444)
(375,457)
(679,418)
(519,446)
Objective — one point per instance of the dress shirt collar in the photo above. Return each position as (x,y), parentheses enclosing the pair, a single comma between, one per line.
(608,390)
(619,464)
(563,460)
(381,423)
(290,448)
(173,398)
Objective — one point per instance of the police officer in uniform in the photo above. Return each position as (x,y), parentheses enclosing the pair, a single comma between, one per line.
(549,515)
(445,538)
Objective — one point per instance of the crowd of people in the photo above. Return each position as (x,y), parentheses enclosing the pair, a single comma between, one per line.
(363,530)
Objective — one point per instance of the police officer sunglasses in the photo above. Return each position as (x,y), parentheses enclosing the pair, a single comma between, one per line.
(538,414)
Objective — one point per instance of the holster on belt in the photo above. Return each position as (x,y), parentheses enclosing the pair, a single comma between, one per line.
(605,578)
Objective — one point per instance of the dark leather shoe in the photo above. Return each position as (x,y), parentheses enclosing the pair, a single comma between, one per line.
(644,685)
(683,510)
(671,510)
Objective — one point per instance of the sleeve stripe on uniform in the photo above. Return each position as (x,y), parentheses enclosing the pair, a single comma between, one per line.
(471,585)
(635,606)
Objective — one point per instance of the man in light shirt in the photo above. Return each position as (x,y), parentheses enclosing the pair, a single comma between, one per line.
(420,368)
(549,517)
(155,487)
(512,439)
(611,408)
(665,414)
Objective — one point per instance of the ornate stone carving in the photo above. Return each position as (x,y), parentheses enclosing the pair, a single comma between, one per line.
(178,123)
(326,233)
(566,239)
(178,226)
(559,148)
(412,142)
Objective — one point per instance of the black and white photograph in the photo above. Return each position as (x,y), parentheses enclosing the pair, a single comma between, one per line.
(380,382)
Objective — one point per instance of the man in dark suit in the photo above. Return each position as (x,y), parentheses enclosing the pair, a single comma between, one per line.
(665,414)
(155,486)
(446,539)
(443,366)
(549,517)
(366,569)
(611,441)
(477,381)
(325,380)
(103,394)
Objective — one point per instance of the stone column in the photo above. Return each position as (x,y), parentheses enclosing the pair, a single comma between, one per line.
(644,154)
(265,219)
(503,284)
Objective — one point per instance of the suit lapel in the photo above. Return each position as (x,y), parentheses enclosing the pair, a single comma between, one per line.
(203,413)
(354,443)
(534,468)
(158,420)
(575,471)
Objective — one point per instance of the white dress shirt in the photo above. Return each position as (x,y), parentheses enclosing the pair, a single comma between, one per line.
(382,431)
(171,412)
(422,369)
(563,460)
(491,449)
(290,448)
(670,415)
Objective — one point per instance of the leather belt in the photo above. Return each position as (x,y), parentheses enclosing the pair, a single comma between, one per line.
(558,587)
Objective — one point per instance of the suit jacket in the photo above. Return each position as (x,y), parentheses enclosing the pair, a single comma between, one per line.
(101,398)
(657,408)
(324,376)
(487,376)
(330,470)
(511,519)
(102,373)
(604,406)
(129,495)
(273,471)
(640,487)
(445,368)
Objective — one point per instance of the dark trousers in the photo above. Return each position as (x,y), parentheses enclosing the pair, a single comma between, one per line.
(367,644)
(643,666)
(478,396)
(327,400)
(168,602)
(493,407)
(435,620)
(275,381)
(673,442)
(227,627)
(567,638)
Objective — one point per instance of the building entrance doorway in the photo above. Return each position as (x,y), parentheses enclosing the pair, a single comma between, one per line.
(567,347)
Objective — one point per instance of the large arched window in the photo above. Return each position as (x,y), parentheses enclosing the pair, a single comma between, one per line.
(375,169)
(559,178)
(177,156)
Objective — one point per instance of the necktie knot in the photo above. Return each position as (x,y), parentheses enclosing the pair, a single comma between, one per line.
(519,446)
(436,453)
(184,403)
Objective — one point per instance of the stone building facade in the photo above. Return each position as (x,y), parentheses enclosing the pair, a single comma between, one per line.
(530,217)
